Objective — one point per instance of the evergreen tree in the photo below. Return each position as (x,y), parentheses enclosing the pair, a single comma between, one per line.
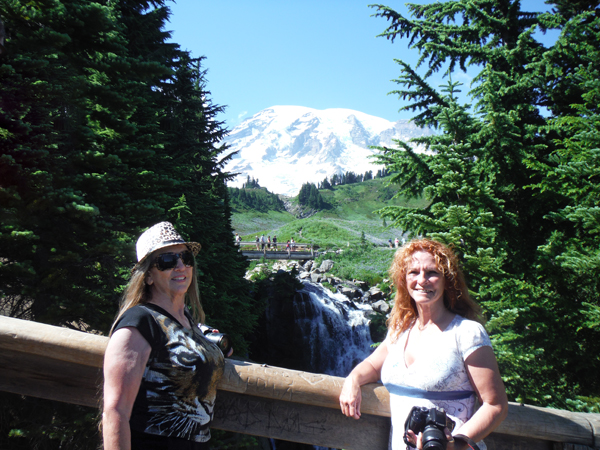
(571,255)
(381,173)
(310,196)
(481,173)
(76,167)
(325,184)
(106,129)
(335,179)
(304,193)
(191,139)
(255,199)
(100,153)
(251,183)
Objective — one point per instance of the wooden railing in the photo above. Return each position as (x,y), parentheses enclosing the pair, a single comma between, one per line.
(252,245)
(60,364)
(299,251)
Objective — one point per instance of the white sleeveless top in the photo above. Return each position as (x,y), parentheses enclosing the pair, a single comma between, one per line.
(439,375)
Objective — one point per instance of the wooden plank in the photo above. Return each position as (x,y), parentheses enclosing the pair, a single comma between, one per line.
(549,424)
(57,342)
(323,390)
(496,441)
(561,446)
(52,379)
(62,364)
(299,423)
(43,377)
(299,387)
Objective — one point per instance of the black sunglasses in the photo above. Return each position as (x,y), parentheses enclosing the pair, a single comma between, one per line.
(166,261)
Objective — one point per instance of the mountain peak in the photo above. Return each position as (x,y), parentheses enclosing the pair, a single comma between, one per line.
(286,146)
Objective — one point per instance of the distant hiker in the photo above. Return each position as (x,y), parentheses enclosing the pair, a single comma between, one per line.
(238,239)
(293,245)
(275,243)
(396,242)
(262,242)
(287,246)
(390,243)
(257,244)
(269,243)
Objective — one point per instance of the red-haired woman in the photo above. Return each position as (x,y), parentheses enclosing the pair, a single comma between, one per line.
(436,354)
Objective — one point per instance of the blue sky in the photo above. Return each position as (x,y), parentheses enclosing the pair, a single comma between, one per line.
(315,53)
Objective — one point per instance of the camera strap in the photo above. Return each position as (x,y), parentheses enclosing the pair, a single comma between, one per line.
(467,439)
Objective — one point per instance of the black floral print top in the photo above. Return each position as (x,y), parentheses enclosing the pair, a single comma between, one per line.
(179,386)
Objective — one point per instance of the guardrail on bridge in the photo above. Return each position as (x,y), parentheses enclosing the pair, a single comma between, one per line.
(61,364)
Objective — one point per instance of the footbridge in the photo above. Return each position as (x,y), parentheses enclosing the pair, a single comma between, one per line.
(61,364)
(298,251)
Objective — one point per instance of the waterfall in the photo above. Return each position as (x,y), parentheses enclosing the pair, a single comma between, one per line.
(313,330)
(335,331)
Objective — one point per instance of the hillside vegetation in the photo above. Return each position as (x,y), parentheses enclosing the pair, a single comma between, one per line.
(350,212)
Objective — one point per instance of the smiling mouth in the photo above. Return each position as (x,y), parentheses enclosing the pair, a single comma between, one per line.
(178,278)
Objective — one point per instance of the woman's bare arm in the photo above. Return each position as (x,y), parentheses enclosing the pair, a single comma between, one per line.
(124,363)
(367,371)
(482,369)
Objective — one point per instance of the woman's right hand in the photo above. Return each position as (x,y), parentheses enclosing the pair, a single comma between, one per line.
(367,371)
(350,398)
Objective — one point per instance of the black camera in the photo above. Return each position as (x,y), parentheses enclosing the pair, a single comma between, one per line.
(220,339)
(431,422)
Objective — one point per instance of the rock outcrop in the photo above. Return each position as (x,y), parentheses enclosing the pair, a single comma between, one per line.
(355,290)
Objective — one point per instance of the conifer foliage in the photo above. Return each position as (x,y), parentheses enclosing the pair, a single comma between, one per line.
(257,198)
(512,179)
(105,129)
(350,178)
(310,196)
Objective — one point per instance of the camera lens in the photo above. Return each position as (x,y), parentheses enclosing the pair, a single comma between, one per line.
(222,341)
(434,438)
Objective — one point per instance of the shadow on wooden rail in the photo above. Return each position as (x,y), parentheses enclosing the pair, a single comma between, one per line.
(60,364)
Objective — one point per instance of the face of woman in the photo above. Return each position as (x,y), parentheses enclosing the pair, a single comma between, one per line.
(425,282)
(170,282)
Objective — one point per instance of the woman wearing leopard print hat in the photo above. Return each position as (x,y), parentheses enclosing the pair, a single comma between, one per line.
(160,371)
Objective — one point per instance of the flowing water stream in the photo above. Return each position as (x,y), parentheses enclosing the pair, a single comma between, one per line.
(330,333)
(335,330)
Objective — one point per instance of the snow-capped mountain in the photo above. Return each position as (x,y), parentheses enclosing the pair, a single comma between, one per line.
(285,146)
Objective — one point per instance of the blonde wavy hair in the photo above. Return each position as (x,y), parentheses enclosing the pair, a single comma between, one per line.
(138,291)
(456,293)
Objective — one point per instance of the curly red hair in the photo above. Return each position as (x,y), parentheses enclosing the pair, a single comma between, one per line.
(456,293)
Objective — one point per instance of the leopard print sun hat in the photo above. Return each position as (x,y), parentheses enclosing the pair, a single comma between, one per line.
(158,236)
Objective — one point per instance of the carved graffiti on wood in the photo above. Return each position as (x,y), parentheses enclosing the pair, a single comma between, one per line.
(299,423)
